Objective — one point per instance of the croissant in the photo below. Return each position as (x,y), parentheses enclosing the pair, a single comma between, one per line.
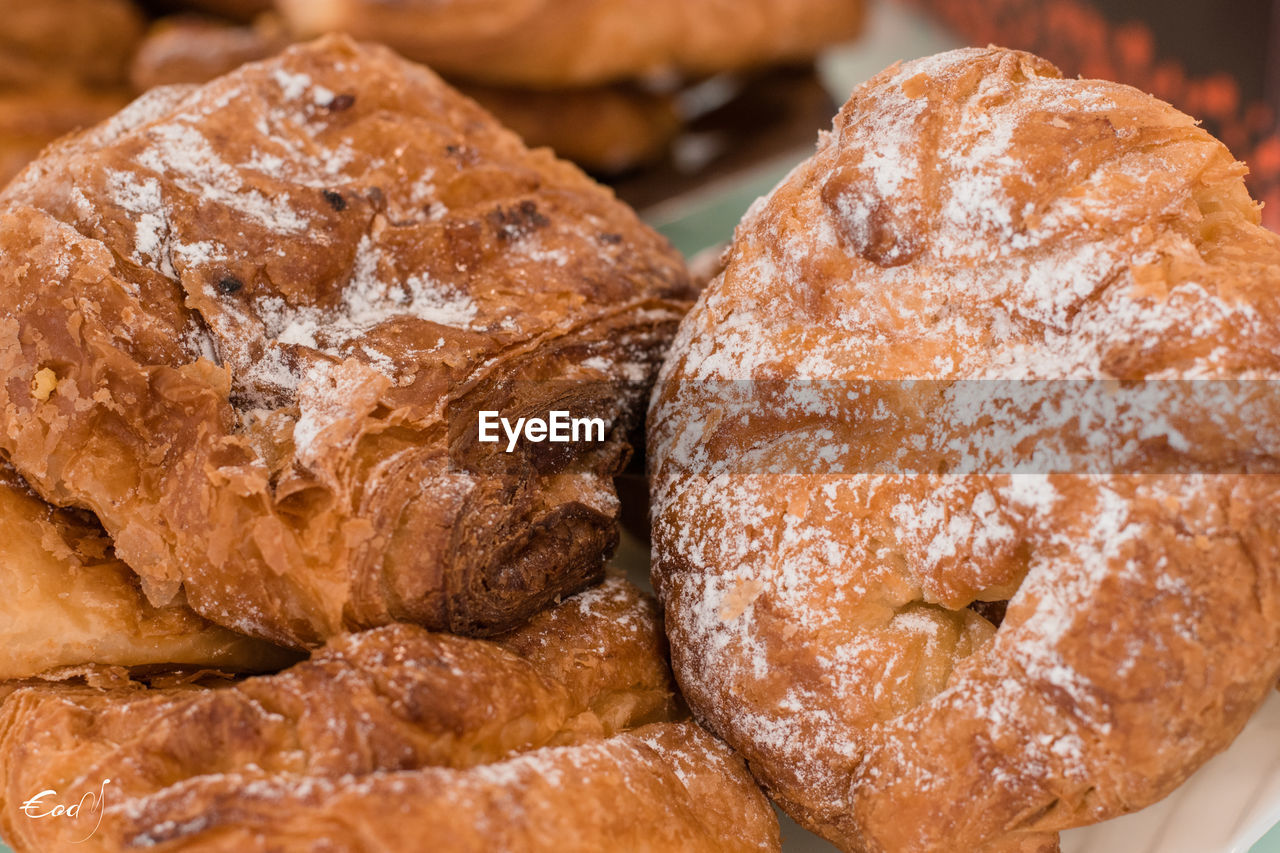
(563,735)
(923,633)
(264,315)
(555,43)
(68,603)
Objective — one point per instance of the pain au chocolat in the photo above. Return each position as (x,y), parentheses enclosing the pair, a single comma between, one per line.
(248,326)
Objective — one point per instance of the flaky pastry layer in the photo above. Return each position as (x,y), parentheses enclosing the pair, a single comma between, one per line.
(565,734)
(68,602)
(270,309)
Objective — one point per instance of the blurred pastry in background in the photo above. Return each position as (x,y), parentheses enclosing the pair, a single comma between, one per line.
(63,65)
(613,86)
(82,42)
(196,48)
(605,129)
(547,44)
(666,47)
(32,118)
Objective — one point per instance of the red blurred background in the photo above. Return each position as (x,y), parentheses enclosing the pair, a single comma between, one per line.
(1218,60)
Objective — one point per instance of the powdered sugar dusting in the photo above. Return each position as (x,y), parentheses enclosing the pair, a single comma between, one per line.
(828,623)
(182,154)
(367,301)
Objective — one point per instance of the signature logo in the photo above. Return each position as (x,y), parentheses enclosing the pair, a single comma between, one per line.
(44,805)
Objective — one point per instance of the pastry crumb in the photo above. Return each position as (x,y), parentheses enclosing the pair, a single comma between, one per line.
(916,86)
(43,384)
(739,599)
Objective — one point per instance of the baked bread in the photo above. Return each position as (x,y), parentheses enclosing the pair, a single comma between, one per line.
(555,43)
(605,129)
(269,310)
(913,659)
(68,602)
(564,735)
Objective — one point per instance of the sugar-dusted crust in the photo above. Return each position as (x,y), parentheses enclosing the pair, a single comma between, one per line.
(272,306)
(974,216)
(68,602)
(553,43)
(564,735)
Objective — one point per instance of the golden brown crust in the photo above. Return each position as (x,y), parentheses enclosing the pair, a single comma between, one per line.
(493,745)
(69,602)
(554,43)
(273,306)
(974,217)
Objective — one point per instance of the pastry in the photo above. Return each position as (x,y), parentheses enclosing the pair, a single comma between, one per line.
(194,49)
(546,44)
(927,645)
(63,66)
(68,602)
(87,42)
(606,129)
(564,735)
(269,311)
